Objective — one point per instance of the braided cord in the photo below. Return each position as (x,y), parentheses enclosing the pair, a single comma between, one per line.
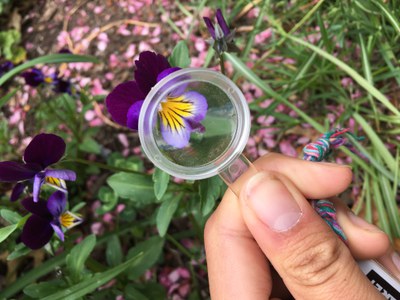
(318,151)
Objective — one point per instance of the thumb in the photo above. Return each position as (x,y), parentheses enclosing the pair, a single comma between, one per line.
(312,261)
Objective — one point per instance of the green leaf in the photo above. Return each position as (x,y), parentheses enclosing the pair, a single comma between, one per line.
(151,249)
(47,59)
(180,55)
(166,212)
(4,99)
(6,231)
(161,181)
(77,257)
(149,290)
(89,285)
(20,250)
(108,198)
(133,294)
(136,187)
(89,145)
(114,254)
(209,192)
(43,289)
(10,216)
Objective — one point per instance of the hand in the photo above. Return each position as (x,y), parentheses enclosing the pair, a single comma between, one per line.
(271,243)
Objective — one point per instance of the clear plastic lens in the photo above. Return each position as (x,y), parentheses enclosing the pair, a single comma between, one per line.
(193,123)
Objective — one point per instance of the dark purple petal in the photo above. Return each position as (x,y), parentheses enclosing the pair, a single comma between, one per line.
(210,26)
(61,174)
(57,203)
(33,77)
(62,86)
(166,72)
(45,149)
(37,184)
(37,232)
(148,67)
(199,105)
(58,230)
(222,23)
(176,137)
(121,99)
(5,67)
(37,208)
(17,191)
(11,171)
(133,115)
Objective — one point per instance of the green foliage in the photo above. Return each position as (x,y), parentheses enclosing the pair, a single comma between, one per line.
(166,212)
(76,259)
(9,45)
(180,55)
(209,191)
(161,181)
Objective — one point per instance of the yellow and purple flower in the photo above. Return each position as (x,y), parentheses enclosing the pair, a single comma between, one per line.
(47,217)
(43,151)
(180,113)
(35,77)
(222,36)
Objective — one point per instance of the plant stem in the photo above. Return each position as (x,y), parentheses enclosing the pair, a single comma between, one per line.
(222,63)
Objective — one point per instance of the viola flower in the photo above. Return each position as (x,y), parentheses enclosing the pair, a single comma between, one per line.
(47,218)
(180,113)
(34,77)
(5,67)
(43,151)
(222,36)
(62,86)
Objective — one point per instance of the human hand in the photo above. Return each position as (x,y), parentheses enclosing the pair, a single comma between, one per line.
(273,227)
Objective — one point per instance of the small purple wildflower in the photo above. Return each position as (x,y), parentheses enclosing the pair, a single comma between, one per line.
(5,67)
(43,151)
(47,218)
(34,77)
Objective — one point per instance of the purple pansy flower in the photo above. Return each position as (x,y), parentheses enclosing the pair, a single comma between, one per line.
(180,113)
(5,67)
(222,36)
(47,218)
(34,77)
(43,151)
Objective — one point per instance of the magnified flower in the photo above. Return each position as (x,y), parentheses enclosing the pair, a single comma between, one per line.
(180,113)
(47,218)
(222,36)
(43,151)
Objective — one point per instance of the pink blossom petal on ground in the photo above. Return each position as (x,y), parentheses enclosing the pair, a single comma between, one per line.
(346,82)
(131,51)
(90,115)
(263,36)
(113,61)
(123,139)
(287,148)
(109,76)
(184,290)
(108,218)
(97,88)
(122,30)
(97,228)
(120,208)
(98,10)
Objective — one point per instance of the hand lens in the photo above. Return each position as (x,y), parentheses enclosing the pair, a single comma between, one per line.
(194,124)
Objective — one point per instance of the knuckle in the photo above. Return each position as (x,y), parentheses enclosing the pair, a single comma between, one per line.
(315,261)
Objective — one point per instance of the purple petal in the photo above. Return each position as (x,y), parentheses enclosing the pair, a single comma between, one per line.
(45,149)
(33,77)
(199,105)
(37,184)
(222,22)
(37,208)
(61,174)
(58,230)
(210,26)
(166,72)
(17,191)
(11,171)
(177,137)
(121,99)
(57,203)
(37,232)
(148,67)
(132,120)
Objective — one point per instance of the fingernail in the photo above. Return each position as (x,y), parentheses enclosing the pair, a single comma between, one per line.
(272,202)
(334,165)
(361,223)
(396,260)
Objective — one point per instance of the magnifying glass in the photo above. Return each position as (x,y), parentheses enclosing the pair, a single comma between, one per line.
(194,124)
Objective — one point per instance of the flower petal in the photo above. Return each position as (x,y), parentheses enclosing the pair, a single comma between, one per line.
(222,23)
(62,174)
(45,149)
(37,232)
(33,77)
(121,99)
(176,135)
(11,171)
(37,208)
(199,105)
(132,120)
(166,72)
(37,184)
(148,67)
(17,191)
(57,203)
(69,220)
(210,26)
(58,230)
